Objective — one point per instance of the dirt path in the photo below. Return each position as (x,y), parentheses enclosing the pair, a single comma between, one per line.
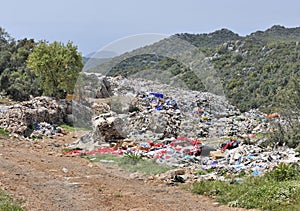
(37,172)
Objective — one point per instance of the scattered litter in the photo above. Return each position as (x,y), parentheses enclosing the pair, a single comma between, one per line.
(65,170)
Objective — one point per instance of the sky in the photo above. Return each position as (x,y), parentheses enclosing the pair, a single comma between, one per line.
(93,24)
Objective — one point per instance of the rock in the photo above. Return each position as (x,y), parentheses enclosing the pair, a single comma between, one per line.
(176,172)
(65,170)
(104,90)
(108,128)
(136,176)
(217,154)
(100,108)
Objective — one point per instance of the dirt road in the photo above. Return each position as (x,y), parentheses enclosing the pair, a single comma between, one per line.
(37,172)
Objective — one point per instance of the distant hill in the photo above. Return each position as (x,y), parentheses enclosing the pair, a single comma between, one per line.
(95,59)
(277,33)
(211,40)
(101,54)
(252,69)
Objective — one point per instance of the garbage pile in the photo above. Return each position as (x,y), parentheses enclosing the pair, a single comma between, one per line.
(147,110)
(196,114)
(246,160)
(197,161)
(24,118)
(174,152)
(171,126)
(153,116)
(43,129)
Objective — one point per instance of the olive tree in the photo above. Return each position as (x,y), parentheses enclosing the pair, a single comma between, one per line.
(56,65)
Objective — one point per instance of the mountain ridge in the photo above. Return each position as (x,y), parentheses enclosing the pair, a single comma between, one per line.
(253,69)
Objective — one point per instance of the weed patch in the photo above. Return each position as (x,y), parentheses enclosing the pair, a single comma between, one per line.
(8,204)
(4,132)
(69,128)
(131,163)
(277,190)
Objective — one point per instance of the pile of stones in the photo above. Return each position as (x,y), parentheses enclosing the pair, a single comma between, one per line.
(23,118)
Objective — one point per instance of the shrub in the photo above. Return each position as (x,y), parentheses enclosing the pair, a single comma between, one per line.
(284,172)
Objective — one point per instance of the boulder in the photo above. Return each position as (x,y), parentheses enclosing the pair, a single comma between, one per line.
(108,128)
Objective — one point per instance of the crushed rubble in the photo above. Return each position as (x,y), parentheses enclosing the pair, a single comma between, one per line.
(37,116)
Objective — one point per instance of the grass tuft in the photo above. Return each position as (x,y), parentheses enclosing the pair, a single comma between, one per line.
(69,128)
(132,164)
(8,204)
(4,132)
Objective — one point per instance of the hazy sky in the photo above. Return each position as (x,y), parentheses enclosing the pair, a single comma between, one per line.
(92,24)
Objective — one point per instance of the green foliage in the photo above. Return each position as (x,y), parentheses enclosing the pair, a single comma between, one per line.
(131,163)
(289,101)
(57,65)
(203,172)
(8,204)
(210,40)
(69,128)
(4,132)
(284,172)
(277,190)
(167,69)
(252,69)
(16,81)
(50,68)
(134,157)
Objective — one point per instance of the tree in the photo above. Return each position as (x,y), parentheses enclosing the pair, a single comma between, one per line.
(56,65)
(5,47)
(289,101)
(16,81)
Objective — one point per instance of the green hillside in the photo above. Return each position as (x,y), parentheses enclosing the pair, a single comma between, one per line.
(253,70)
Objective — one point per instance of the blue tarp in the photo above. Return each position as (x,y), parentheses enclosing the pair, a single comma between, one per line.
(159,95)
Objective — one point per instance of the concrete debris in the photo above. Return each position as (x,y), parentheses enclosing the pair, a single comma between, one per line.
(26,117)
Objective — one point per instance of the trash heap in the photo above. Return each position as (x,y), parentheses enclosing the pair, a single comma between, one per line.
(196,114)
(153,116)
(24,118)
(197,161)
(144,110)
(171,126)
(43,129)
(174,152)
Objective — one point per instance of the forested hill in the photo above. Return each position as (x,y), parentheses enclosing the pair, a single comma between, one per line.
(255,70)
(210,40)
(274,34)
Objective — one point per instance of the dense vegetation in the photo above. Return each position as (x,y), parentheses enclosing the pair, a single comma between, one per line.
(16,80)
(19,81)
